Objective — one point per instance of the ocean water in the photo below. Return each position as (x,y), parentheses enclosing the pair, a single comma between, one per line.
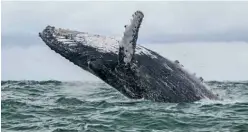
(55,106)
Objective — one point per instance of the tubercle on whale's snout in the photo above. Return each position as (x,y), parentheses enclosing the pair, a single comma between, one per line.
(47,35)
(47,31)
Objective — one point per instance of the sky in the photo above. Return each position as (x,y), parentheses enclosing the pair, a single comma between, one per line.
(208,38)
(164,22)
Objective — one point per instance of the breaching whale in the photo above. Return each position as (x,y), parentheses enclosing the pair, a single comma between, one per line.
(132,69)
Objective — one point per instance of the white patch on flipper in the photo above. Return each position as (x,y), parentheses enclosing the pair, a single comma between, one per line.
(128,42)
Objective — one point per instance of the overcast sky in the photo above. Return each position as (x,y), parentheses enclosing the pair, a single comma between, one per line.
(163,21)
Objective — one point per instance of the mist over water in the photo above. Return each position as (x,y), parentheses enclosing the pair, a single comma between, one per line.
(94,106)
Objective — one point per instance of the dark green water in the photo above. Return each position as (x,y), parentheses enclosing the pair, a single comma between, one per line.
(56,106)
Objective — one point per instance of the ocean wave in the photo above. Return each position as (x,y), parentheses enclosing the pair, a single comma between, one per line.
(30,82)
(85,106)
(69,101)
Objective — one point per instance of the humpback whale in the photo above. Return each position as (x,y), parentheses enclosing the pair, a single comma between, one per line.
(135,71)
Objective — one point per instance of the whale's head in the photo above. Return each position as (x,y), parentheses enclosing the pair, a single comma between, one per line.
(79,47)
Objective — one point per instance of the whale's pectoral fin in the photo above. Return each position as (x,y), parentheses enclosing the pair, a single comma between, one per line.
(128,43)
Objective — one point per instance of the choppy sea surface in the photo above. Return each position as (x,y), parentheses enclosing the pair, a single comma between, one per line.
(55,106)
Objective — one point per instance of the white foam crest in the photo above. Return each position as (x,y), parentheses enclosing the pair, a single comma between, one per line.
(223,101)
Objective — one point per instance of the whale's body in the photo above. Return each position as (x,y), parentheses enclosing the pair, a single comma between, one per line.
(132,69)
